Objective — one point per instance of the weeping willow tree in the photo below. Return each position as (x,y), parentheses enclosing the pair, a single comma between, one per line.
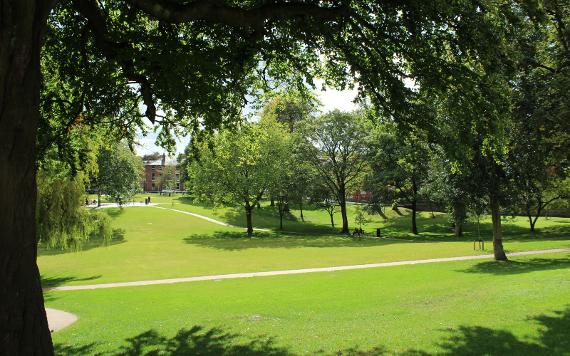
(62,219)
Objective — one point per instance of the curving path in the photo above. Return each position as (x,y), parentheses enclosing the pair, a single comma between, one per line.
(58,319)
(296,271)
(206,218)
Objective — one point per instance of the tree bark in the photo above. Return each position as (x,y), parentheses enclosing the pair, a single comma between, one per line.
(414,222)
(458,217)
(248,216)
(344,215)
(498,250)
(414,206)
(331,214)
(23,323)
(458,229)
(343,212)
(301,208)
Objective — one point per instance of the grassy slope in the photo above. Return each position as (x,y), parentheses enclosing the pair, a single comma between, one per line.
(469,307)
(163,244)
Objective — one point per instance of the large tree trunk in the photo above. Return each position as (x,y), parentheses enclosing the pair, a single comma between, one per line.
(497,231)
(23,323)
(458,217)
(458,229)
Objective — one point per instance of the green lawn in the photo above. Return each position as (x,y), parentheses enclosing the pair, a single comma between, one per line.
(153,243)
(462,308)
(469,307)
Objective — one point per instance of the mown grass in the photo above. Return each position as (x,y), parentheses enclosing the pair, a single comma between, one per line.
(155,243)
(459,308)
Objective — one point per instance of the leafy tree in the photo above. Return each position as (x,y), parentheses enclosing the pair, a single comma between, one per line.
(290,107)
(338,154)
(168,179)
(62,218)
(64,60)
(120,173)
(449,189)
(238,167)
(360,217)
(539,157)
(302,177)
(398,166)
(152,156)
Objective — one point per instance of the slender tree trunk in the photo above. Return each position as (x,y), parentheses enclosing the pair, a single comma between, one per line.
(414,215)
(529,215)
(272,202)
(414,206)
(301,208)
(248,217)
(479,226)
(497,231)
(344,216)
(538,212)
(98,199)
(343,212)
(23,323)
(331,214)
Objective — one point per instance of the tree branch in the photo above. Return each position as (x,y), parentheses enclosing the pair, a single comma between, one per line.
(98,25)
(217,11)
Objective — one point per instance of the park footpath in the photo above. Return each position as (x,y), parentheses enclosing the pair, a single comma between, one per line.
(217,277)
(58,319)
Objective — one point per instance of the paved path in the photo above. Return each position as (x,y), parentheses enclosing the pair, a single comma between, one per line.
(295,271)
(207,218)
(116,205)
(58,319)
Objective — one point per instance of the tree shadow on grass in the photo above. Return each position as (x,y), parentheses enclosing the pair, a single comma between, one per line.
(61,349)
(465,340)
(193,341)
(114,212)
(516,267)
(476,340)
(438,229)
(268,218)
(51,282)
(117,237)
(235,240)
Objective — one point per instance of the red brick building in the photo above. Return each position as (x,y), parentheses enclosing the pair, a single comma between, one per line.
(361,196)
(154,179)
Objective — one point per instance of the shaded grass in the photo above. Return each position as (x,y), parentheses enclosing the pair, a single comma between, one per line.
(164,244)
(415,310)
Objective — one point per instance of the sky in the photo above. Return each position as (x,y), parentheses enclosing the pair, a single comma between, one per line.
(331,99)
